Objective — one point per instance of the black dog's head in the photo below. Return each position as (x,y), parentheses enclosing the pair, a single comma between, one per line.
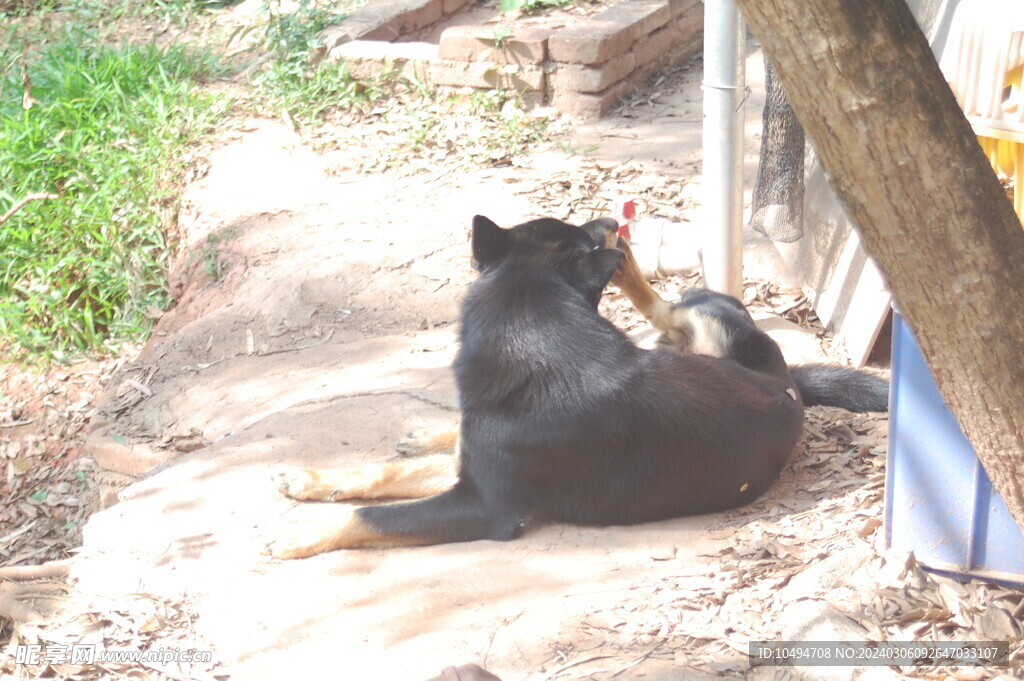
(573,253)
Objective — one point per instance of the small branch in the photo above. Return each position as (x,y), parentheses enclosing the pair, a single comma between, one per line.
(39,196)
(7,69)
(31,573)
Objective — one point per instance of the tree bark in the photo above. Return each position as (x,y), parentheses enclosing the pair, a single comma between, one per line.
(777,207)
(904,160)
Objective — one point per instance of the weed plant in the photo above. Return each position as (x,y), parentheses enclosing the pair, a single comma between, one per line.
(291,81)
(98,13)
(527,6)
(97,129)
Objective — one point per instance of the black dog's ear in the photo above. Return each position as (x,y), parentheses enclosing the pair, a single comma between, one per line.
(490,242)
(604,231)
(601,265)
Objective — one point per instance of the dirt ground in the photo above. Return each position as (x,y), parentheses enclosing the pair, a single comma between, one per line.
(317,326)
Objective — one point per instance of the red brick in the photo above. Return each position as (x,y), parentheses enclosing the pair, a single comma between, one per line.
(579,78)
(672,39)
(459,43)
(643,15)
(427,14)
(453,6)
(486,75)
(384,32)
(383,20)
(590,106)
(366,58)
(476,43)
(676,41)
(655,45)
(593,43)
(686,33)
(121,457)
(690,25)
(332,36)
(532,99)
(610,32)
(523,46)
(678,7)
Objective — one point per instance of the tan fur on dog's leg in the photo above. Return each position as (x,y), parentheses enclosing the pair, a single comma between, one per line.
(346,530)
(630,279)
(402,479)
(429,441)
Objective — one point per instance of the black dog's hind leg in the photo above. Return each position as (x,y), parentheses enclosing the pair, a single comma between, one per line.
(454,516)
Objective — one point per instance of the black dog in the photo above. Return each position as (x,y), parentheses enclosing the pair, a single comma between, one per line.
(564,419)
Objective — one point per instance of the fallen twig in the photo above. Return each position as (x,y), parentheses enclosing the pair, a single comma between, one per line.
(637,660)
(23,573)
(38,196)
(585,660)
(14,535)
(7,69)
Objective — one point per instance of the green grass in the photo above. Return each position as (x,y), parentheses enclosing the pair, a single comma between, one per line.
(80,271)
(98,13)
(290,82)
(83,270)
(528,6)
(305,94)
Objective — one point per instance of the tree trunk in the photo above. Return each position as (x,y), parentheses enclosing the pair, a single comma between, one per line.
(904,160)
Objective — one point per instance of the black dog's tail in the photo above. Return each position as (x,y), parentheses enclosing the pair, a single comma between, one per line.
(838,386)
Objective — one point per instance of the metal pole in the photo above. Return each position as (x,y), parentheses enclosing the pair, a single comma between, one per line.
(724,92)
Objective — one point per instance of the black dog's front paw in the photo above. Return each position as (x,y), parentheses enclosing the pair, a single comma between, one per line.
(305,485)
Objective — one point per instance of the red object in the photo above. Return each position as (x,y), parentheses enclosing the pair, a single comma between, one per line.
(627,211)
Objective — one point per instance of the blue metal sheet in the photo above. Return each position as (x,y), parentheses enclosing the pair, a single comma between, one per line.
(939,502)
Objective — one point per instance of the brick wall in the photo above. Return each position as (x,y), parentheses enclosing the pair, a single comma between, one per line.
(581,70)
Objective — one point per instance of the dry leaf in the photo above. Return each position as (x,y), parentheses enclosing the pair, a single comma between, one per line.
(868,527)
(997,624)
